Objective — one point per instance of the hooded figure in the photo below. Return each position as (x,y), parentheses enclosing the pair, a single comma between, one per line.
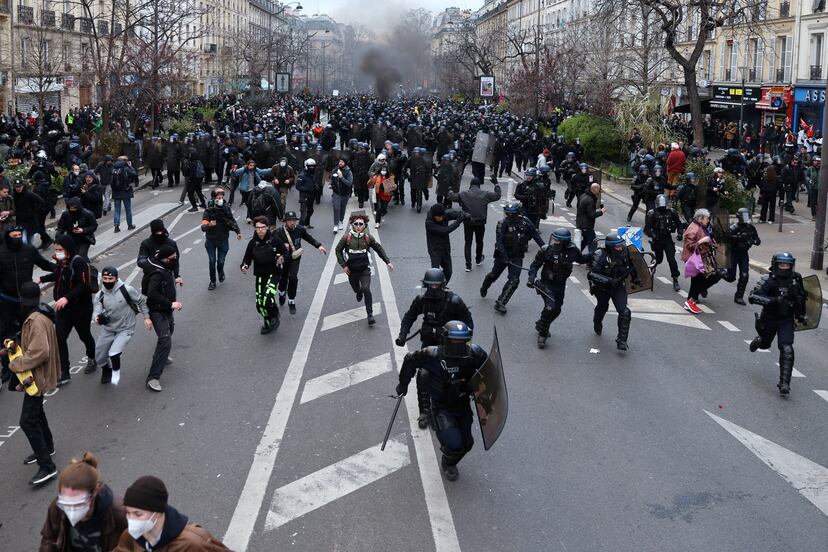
(79,224)
(150,246)
(438,228)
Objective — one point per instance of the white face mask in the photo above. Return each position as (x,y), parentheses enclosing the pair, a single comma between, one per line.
(262,185)
(138,527)
(60,255)
(76,173)
(383,173)
(219,202)
(283,163)
(75,510)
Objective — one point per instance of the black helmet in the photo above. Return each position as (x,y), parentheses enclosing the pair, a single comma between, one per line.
(570,155)
(561,234)
(434,282)
(661,201)
(512,208)
(456,339)
(782,257)
(690,177)
(643,168)
(743,215)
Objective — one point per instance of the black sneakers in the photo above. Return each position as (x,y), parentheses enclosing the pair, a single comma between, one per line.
(292,308)
(42,476)
(32,458)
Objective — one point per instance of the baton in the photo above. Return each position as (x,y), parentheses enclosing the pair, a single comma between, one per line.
(391,421)
(412,336)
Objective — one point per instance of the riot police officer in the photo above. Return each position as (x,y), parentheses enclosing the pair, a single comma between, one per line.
(511,242)
(781,295)
(743,236)
(580,181)
(637,188)
(534,195)
(653,187)
(610,269)
(660,224)
(687,196)
(448,369)
(568,168)
(555,264)
(438,306)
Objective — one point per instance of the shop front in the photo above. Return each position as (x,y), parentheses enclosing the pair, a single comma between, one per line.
(809,102)
(776,105)
(730,103)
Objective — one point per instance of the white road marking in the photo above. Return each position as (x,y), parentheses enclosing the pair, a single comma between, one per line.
(439,512)
(132,275)
(706,309)
(664,310)
(728,326)
(335,481)
(574,280)
(808,478)
(662,306)
(187,250)
(250,501)
(347,317)
(760,350)
(664,280)
(187,233)
(677,319)
(174,222)
(682,293)
(196,242)
(345,377)
(821,393)
(794,372)
(341,278)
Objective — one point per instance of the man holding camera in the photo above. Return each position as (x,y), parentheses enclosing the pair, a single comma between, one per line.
(216,223)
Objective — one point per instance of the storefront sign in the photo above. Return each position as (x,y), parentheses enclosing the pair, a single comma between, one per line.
(809,95)
(775,98)
(733,96)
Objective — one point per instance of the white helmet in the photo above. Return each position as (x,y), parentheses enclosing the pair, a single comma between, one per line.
(41,154)
(310,163)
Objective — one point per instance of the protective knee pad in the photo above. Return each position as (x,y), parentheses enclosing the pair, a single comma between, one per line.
(508,291)
(624,318)
(786,361)
(549,314)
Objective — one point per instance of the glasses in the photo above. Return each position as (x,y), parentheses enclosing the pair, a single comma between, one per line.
(261,227)
(359,224)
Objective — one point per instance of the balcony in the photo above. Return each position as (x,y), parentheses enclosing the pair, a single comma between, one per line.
(25,15)
(47,18)
(85,26)
(67,22)
(785,9)
(5,6)
(780,75)
(816,72)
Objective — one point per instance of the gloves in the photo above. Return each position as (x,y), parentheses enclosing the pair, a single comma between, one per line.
(400,341)
(530,283)
(401,389)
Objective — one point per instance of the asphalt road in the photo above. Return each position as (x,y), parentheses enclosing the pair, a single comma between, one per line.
(272,442)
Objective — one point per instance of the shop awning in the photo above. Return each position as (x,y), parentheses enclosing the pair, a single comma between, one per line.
(685,108)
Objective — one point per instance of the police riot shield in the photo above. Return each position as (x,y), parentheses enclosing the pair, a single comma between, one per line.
(483,148)
(721,234)
(642,269)
(594,176)
(490,397)
(538,200)
(813,304)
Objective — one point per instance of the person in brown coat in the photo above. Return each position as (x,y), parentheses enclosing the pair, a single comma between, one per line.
(85,515)
(697,238)
(152,524)
(40,355)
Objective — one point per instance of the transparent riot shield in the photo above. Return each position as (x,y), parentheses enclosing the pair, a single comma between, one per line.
(490,397)
(813,304)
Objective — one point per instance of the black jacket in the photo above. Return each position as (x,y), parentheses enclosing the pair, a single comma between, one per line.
(263,254)
(475,203)
(436,312)
(295,236)
(512,236)
(150,246)
(225,222)
(587,211)
(437,233)
(84,219)
(17,265)
(158,285)
(27,205)
(556,266)
(70,278)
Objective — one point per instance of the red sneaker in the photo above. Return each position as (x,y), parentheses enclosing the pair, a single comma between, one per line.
(691,306)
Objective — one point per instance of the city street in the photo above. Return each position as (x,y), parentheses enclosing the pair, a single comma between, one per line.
(272,442)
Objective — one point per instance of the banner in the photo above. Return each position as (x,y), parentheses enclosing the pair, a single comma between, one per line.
(487,87)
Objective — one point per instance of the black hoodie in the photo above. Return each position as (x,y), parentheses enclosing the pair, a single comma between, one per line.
(437,233)
(16,266)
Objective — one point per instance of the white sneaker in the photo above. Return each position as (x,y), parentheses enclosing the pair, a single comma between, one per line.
(116,377)
(376,225)
(336,229)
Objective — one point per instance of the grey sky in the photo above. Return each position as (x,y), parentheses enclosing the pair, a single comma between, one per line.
(379,12)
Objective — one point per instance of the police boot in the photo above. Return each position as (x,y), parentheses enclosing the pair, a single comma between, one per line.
(741,285)
(449,466)
(505,295)
(756,344)
(597,324)
(423,401)
(676,286)
(786,362)
(487,282)
(624,318)
(542,327)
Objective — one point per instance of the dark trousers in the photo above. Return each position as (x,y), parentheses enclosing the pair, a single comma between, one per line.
(768,211)
(781,329)
(636,200)
(36,428)
(216,253)
(289,280)
(588,240)
(194,192)
(502,263)
(164,325)
(173,177)
(618,296)
(79,319)
(157,177)
(442,259)
(305,207)
(701,283)
(381,210)
(453,429)
(360,280)
(266,297)
(738,259)
(667,249)
(474,231)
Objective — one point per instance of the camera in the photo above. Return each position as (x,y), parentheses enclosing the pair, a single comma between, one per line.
(104,319)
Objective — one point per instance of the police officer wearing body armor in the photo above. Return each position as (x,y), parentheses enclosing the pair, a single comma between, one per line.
(660,224)
(438,306)
(448,369)
(638,186)
(743,236)
(781,294)
(688,196)
(555,263)
(581,180)
(511,242)
(534,195)
(568,168)
(654,187)
(610,268)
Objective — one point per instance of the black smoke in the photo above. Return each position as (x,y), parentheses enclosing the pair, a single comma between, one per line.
(375,65)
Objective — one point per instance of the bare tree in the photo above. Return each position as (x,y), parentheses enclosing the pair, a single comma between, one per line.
(42,60)
(410,42)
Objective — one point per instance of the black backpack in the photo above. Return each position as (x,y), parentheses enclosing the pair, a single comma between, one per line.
(258,203)
(119,180)
(91,275)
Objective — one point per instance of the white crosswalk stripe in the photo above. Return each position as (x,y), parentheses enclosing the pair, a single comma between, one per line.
(346,317)
(728,326)
(821,393)
(346,377)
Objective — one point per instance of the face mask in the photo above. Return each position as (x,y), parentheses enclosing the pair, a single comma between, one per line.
(383,173)
(138,527)
(109,285)
(74,511)
(14,243)
(159,238)
(76,173)
(219,202)
(60,255)
(283,163)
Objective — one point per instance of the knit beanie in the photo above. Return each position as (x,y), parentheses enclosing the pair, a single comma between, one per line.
(147,493)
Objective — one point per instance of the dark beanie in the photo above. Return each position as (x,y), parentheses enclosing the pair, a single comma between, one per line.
(165,251)
(29,294)
(157,226)
(73,202)
(109,271)
(147,493)
(474,181)
(437,210)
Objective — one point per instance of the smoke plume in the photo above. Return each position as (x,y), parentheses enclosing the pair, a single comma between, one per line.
(375,65)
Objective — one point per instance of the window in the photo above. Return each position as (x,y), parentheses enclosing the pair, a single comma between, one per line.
(24,52)
(47,46)
(816,56)
(757,60)
(784,57)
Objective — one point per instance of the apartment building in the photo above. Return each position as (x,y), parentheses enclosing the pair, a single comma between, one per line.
(492,21)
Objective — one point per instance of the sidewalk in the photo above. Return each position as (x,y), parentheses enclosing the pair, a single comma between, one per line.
(796,237)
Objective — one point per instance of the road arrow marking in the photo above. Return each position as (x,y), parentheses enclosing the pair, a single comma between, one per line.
(346,317)
(345,377)
(335,481)
(807,477)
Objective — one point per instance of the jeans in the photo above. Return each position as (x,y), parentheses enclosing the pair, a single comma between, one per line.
(36,428)
(164,325)
(588,240)
(80,320)
(216,252)
(127,206)
(107,205)
(340,203)
(381,210)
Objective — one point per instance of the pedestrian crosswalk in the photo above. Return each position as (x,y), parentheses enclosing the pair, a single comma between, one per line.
(346,377)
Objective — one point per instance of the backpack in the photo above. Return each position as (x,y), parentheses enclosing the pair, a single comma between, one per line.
(127,298)
(199,169)
(92,283)
(258,204)
(119,180)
